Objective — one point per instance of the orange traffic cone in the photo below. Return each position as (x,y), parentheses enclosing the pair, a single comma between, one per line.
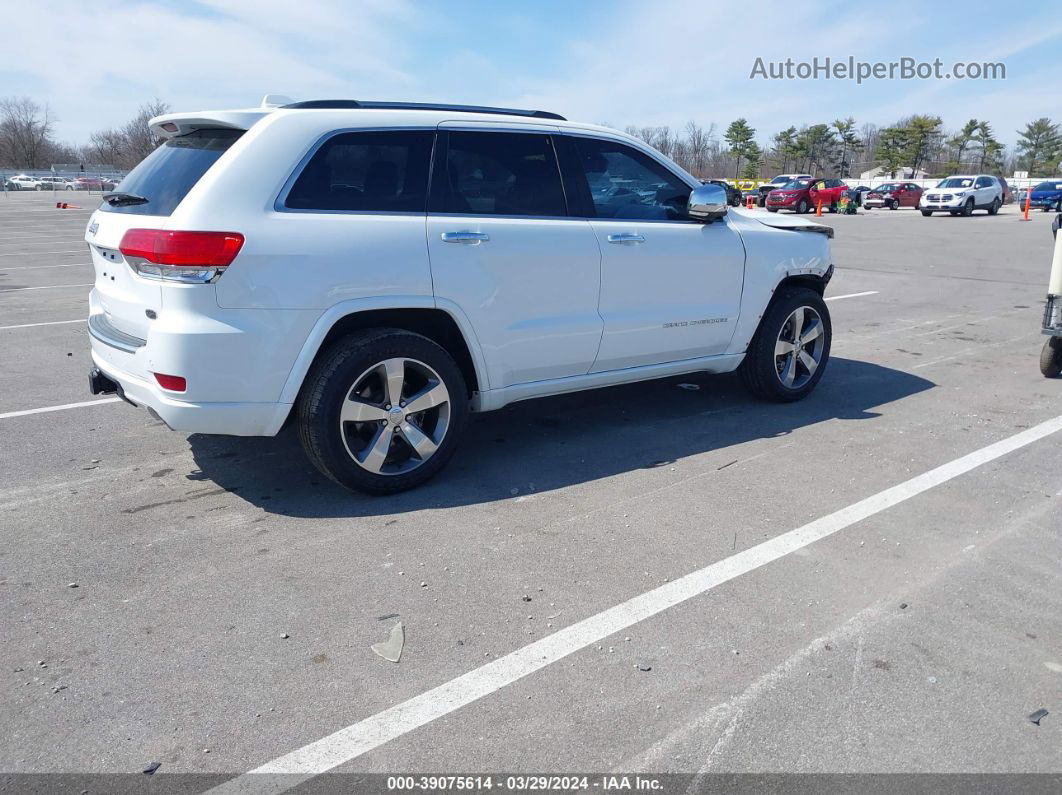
(818,209)
(1028,201)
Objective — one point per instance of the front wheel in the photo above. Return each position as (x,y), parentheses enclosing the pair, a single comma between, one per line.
(968,208)
(789,352)
(40,188)
(802,207)
(382,411)
(1051,358)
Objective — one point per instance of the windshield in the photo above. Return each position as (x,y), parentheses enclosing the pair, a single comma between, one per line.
(796,184)
(957,182)
(1051,186)
(780,180)
(166,175)
(887,188)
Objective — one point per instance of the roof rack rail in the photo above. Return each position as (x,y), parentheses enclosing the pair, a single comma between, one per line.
(336,104)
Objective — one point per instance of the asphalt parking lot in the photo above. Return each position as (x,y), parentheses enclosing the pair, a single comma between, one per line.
(209,603)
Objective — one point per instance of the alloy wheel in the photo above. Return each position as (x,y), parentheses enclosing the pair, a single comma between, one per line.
(395,416)
(799,347)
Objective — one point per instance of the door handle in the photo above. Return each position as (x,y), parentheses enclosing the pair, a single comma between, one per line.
(468,238)
(626,239)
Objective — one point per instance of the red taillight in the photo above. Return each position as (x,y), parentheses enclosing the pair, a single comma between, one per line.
(174,383)
(182,249)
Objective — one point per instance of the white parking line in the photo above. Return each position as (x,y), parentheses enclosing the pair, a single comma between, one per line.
(41,253)
(304,763)
(49,323)
(32,267)
(45,287)
(850,295)
(46,409)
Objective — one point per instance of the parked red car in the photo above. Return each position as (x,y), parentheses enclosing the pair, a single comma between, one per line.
(803,195)
(88,183)
(894,195)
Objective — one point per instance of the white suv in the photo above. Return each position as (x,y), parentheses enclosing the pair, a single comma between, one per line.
(378,270)
(962,194)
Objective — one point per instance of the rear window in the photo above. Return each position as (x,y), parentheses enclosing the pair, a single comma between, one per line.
(166,175)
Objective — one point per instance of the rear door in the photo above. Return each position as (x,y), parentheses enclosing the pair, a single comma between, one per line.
(163,179)
(505,252)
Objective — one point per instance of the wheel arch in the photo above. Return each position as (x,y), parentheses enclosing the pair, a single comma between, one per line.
(446,326)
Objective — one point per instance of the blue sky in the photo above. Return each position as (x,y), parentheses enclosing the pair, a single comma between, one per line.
(645,63)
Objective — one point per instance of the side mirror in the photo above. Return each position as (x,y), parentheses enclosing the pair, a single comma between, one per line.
(707,202)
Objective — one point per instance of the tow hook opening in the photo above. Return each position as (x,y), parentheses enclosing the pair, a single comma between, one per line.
(99,384)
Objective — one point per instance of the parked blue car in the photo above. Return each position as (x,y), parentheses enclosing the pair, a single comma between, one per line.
(1047,196)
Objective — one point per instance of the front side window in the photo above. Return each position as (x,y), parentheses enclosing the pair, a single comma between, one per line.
(498,173)
(384,171)
(626,183)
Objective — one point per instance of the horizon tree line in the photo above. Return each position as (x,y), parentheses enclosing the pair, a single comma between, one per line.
(913,144)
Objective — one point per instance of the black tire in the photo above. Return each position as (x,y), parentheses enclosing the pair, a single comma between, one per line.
(759,369)
(1051,358)
(927,213)
(833,207)
(40,188)
(802,207)
(331,380)
(968,208)
(995,206)
(894,205)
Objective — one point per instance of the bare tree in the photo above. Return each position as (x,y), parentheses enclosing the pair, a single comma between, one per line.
(698,146)
(140,140)
(25,133)
(126,146)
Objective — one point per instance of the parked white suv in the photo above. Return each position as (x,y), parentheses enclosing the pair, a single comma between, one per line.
(962,194)
(24,182)
(378,270)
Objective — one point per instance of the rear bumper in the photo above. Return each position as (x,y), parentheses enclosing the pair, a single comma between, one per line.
(231,419)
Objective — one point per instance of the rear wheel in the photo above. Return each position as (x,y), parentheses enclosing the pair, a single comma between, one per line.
(833,207)
(789,352)
(995,206)
(382,411)
(1051,358)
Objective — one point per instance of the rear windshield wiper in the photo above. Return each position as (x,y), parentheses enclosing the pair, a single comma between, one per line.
(124,199)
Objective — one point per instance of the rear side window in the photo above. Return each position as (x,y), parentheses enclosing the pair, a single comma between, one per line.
(166,175)
(495,173)
(366,172)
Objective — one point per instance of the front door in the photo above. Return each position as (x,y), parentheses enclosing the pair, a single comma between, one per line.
(670,287)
